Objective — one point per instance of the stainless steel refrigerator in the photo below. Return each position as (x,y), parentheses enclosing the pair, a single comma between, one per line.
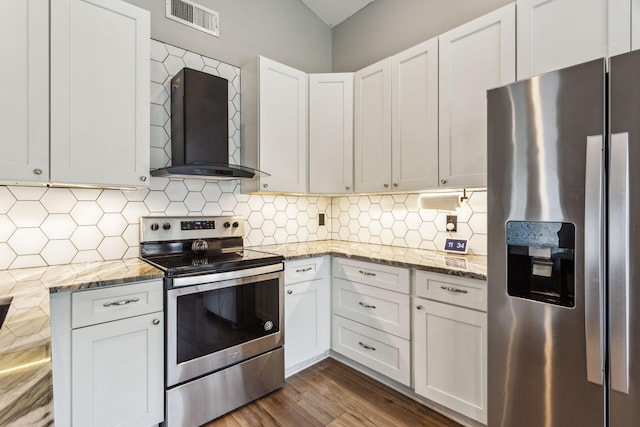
(564,248)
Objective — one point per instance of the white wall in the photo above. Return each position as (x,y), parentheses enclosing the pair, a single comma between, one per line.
(386,27)
(283,30)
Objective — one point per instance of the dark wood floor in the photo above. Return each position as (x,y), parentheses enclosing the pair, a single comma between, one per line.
(332,394)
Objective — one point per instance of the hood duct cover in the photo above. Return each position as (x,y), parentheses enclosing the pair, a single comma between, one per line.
(200,128)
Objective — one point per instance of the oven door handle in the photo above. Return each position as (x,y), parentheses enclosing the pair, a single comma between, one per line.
(205,282)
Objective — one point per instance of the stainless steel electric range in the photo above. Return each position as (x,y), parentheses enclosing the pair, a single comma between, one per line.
(224,315)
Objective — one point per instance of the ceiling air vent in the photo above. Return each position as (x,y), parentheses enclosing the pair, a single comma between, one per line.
(194,15)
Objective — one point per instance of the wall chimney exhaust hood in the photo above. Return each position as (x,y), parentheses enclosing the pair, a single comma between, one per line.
(200,129)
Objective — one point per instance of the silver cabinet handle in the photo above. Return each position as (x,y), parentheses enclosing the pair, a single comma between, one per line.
(289,292)
(348,188)
(366,273)
(443,181)
(121,302)
(37,171)
(143,178)
(265,185)
(156,321)
(593,259)
(365,305)
(419,307)
(304,270)
(386,185)
(395,185)
(366,347)
(451,289)
(619,227)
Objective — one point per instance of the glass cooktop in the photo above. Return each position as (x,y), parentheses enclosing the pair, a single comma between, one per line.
(188,263)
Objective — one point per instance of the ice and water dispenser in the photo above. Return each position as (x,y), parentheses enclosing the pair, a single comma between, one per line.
(540,261)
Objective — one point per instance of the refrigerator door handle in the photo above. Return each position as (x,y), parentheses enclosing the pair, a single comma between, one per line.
(594,260)
(618,270)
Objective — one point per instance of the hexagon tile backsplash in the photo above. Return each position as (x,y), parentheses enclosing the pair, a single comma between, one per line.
(48,226)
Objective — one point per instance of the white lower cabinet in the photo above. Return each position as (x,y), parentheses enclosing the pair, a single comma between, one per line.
(108,355)
(307,311)
(370,305)
(117,372)
(450,344)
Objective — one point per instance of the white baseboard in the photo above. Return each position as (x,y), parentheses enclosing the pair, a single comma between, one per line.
(291,370)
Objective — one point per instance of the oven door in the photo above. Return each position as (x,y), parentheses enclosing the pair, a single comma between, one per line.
(218,320)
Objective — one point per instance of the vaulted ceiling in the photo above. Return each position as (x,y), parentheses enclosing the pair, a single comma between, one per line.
(333,12)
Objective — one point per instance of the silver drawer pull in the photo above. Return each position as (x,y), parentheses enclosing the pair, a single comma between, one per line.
(289,292)
(366,273)
(365,305)
(366,347)
(304,270)
(121,302)
(450,289)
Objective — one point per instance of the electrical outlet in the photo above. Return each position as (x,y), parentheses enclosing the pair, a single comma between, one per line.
(452,223)
(321,219)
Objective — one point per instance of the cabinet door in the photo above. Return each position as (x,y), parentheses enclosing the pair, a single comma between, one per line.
(372,132)
(450,357)
(331,133)
(117,372)
(554,34)
(414,115)
(474,57)
(307,321)
(24,111)
(99,93)
(283,127)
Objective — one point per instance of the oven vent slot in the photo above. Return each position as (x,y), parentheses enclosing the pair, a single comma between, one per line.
(194,15)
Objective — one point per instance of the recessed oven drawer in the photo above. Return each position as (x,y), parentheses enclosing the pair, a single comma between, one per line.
(116,302)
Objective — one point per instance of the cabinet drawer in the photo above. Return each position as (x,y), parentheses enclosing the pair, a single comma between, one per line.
(118,302)
(381,276)
(303,270)
(460,291)
(379,308)
(382,352)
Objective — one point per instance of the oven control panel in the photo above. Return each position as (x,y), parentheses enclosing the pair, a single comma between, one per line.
(163,228)
(197,225)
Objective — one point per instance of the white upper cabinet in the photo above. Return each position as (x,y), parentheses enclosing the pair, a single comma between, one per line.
(24,112)
(99,93)
(372,128)
(414,117)
(474,57)
(274,115)
(554,34)
(331,133)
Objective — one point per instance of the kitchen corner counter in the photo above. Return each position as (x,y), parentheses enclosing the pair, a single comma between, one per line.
(26,388)
(471,266)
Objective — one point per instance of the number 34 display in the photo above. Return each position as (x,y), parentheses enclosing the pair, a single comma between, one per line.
(458,246)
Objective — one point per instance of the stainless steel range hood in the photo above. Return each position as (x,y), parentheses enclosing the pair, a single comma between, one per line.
(200,129)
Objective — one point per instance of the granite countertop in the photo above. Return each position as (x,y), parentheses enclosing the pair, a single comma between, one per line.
(26,388)
(471,266)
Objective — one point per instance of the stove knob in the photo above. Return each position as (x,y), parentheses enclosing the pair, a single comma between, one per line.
(227,224)
(236,224)
(155,226)
(166,226)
